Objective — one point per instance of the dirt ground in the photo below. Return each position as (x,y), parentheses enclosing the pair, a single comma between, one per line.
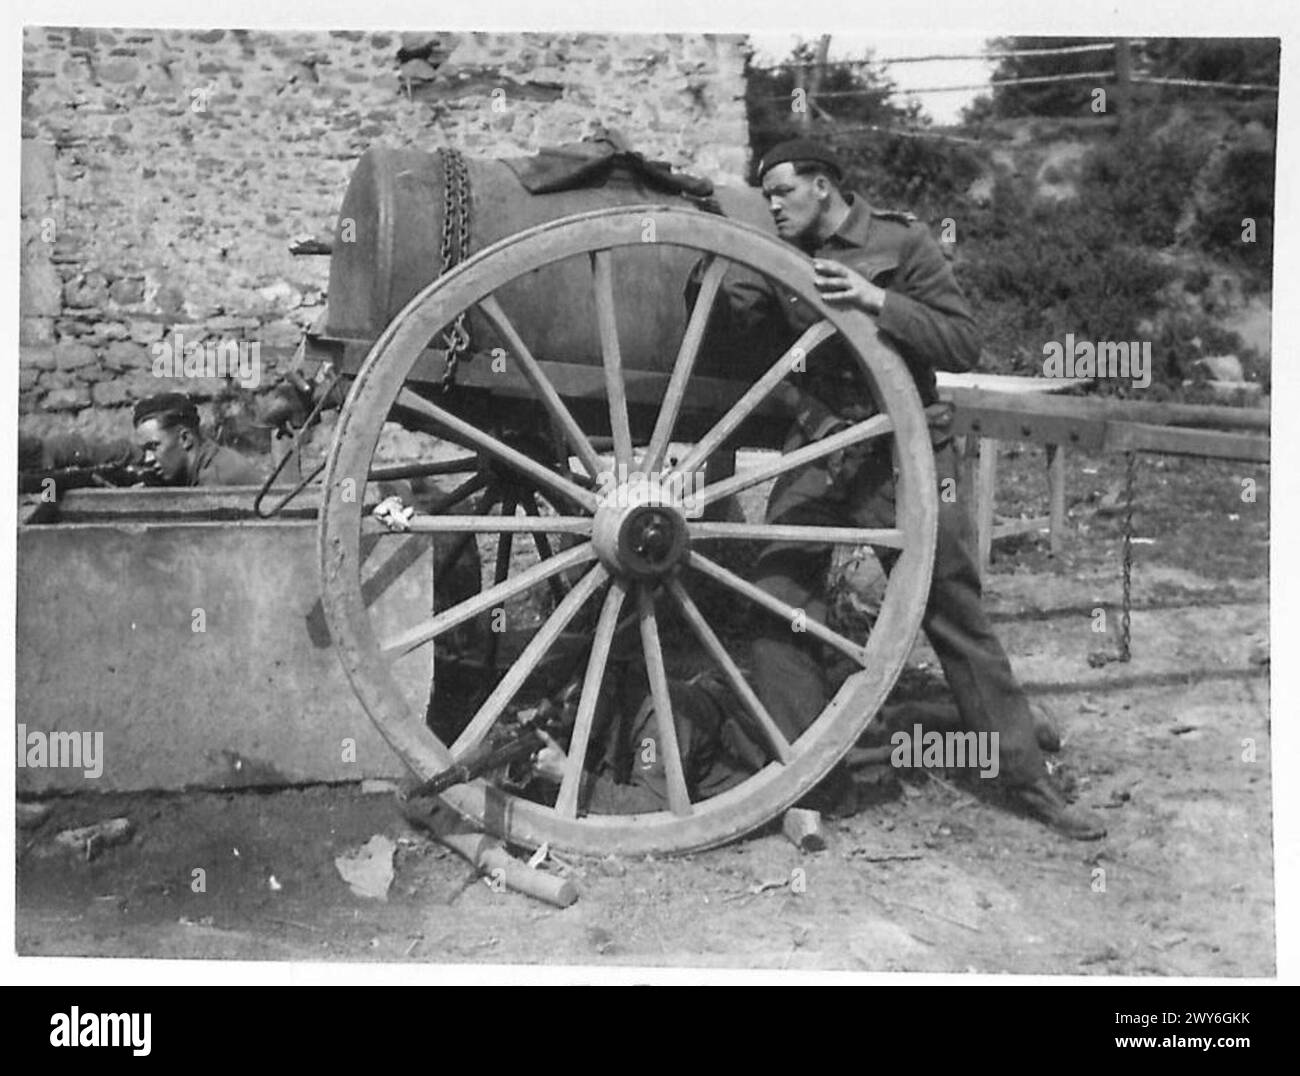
(934,874)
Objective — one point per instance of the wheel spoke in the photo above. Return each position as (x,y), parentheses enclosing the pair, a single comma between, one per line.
(538,472)
(780,746)
(775,532)
(528,660)
(543,545)
(550,398)
(603,277)
(489,501)
(789,613)
(468,488)
(716,269)
(481,603)
(757,393)
(505,544)
(679,799)
(422,524)
(566,803)
(800,457)
(392,472)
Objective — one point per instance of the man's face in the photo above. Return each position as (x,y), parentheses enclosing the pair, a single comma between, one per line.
(796,202)
(166,452)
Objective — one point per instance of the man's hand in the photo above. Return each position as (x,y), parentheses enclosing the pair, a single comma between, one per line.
(841,286)
(550,762)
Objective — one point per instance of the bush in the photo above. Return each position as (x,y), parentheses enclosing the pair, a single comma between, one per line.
(1144,181)
(928,176)
(1240,185)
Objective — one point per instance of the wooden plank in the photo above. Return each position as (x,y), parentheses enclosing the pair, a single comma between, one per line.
(1004,383)
(1090,409)
(1215,444)
(177,504)
(1021,423)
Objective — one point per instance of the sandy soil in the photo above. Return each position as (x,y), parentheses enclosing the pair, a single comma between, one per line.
(933,874)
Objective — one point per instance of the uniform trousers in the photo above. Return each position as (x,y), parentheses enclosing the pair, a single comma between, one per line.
(789,675)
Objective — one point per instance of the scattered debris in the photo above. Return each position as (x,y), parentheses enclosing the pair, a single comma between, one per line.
(759,887)
(804,829)
(282,922)
(880,857)
(273,884)
(491,859)
(91,840)
(1100,956)
(612,866)
(600,939)
(375,786)
(539,857)
(369,870)
(1118,799)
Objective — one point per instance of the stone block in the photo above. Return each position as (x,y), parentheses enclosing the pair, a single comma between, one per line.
(118,70)
(38,179)
(35,331)
(69,399)
(70,356)
(37,358)
(127,292)
(127,355)
(113,393)
(88,291)
(144,331)
(40,291)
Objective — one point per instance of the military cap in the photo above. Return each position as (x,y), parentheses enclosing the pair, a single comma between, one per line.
(166,403)
(800,149)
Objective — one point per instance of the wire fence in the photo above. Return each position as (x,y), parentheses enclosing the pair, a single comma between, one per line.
(1119,79)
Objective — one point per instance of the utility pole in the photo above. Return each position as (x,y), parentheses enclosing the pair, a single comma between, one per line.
(1122,95)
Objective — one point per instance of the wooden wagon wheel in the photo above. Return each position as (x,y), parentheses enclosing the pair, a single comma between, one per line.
(639,555)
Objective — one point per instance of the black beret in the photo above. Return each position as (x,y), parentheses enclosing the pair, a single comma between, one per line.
(799,149)
(175,403)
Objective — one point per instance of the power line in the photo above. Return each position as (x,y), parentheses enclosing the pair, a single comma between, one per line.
(1008,54)
(991,84)
(1203,84)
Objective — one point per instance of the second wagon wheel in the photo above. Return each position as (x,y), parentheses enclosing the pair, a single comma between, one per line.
(643,574)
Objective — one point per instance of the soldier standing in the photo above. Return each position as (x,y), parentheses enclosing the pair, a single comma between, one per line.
(885,264)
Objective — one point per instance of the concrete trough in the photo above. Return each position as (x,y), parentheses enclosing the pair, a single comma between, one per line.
(170,639)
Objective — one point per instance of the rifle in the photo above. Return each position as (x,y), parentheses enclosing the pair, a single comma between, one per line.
(110,475)
(536,729)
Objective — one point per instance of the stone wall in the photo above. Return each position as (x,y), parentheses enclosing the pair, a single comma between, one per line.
(165,172)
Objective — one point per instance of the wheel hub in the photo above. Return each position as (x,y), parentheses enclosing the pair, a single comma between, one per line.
(636,533)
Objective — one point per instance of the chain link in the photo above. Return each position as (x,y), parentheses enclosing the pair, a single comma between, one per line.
(455,249)
(1125,630)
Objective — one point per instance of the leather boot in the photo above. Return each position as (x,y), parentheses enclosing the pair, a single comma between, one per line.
(1042,800)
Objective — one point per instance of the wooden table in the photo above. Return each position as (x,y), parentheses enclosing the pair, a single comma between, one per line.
(979,463)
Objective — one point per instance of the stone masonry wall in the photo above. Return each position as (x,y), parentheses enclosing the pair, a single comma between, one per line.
(165,172)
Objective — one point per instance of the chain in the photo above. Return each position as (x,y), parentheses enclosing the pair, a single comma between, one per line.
(455,249)
(1098,658)
(1125,630)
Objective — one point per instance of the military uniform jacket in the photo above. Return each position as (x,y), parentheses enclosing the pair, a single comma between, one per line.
(925,316)
(217,465)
